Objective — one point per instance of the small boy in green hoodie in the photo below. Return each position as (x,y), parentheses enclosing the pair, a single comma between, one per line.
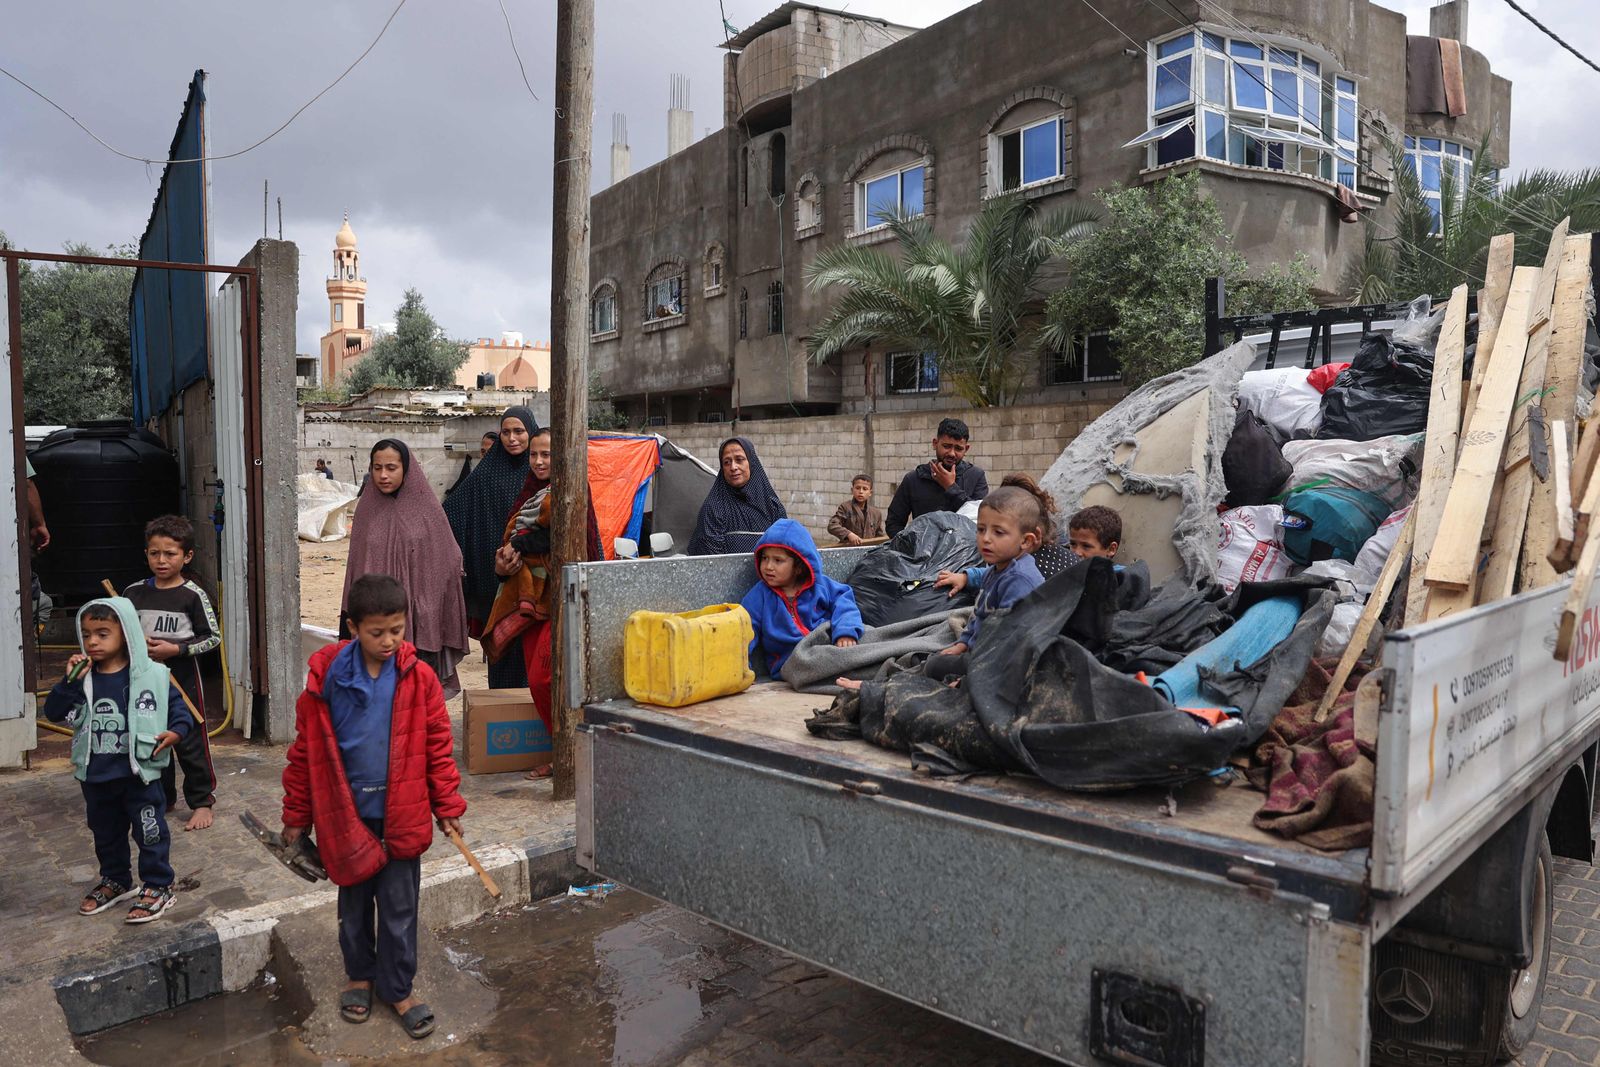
(126,715)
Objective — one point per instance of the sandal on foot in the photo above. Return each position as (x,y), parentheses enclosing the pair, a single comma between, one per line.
(103,896)
(540,773)
(153,900)
(418,1021)
(355,1005)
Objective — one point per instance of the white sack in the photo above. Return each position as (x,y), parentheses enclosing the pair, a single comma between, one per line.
(1289,404)
(1248,549)
(1386,467)
(1375,552)
(325,507)
(1341,627)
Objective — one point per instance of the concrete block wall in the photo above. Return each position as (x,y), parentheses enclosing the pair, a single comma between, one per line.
(810,461)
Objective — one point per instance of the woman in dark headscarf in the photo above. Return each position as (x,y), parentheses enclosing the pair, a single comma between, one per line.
(401,531)
(741,500)
(477,510)
(520,620)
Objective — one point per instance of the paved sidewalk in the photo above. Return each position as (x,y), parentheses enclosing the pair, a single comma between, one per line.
(49,857)
(1569,1023)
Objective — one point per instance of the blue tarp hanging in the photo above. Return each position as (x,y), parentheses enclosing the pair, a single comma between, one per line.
(167,310)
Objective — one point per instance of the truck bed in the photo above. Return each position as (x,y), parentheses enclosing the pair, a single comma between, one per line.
(1210,830)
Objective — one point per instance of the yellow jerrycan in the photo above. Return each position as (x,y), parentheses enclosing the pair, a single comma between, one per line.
(675,659)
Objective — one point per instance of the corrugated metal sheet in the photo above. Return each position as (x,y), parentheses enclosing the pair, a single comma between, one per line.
(227,342)
(167,310)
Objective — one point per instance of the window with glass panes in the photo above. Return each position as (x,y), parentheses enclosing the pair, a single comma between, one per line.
(1251,103)
(911,372)
(883,195)
(603,311)
(663,298)
(1437,162)
(1090,359)
(1031,154)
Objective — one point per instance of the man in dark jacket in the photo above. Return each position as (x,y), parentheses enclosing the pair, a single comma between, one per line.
(942,485)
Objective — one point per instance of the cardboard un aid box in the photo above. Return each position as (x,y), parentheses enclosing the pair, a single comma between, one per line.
(502,731)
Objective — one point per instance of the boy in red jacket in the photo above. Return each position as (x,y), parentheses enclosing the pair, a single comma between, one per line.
(369,770)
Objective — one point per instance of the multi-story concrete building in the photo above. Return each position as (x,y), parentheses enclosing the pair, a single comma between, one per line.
(699,309)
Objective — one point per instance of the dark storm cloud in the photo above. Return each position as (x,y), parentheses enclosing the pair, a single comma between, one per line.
(433,144)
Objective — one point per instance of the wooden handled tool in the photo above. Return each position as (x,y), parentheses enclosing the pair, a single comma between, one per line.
(483,875)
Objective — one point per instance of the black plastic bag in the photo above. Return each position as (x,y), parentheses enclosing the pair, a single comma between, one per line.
(1385,391)
(1253,467)
(895,581)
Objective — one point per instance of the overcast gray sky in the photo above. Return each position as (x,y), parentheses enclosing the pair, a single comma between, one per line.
(433,145)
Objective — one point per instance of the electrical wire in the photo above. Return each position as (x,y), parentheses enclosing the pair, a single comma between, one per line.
(226,155)
(512,37)
(1548,32)
(1143,48)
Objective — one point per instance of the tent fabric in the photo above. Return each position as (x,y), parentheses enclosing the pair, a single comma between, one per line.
(167,309)
(680,487)
(619,467)
(1038,701)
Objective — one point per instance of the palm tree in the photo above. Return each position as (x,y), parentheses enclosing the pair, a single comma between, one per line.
(975,306)
(1419,253)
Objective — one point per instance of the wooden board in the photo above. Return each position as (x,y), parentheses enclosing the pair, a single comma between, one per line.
(1541,562)
(1369,615)
(1455,551)
(1547,284)
(1439,446)
(1563,533)
(1491,305)
(1578,595)
(1508,520)
(1583,464)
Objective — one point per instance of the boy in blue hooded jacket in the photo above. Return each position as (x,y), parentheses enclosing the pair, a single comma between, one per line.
(794,597)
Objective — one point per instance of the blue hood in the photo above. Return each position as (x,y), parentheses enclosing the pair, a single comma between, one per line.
(780,624)
(787,533)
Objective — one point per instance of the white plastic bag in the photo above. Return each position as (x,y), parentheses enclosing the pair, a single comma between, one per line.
(325,507)
(1284,399)
(1341,627)
(1375,552)
(1248,549)
(1386,467)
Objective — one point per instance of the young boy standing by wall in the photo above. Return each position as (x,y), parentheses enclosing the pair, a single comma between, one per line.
(179,626)
(857,520)
(126,715)
(369,769)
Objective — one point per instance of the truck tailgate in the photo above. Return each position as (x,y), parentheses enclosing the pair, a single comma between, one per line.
(1062,923)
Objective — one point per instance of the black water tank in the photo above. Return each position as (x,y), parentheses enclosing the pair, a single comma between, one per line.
(99,484)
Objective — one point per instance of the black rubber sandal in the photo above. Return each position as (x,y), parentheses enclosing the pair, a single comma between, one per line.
(352,999)
(418,1021)
(152,900)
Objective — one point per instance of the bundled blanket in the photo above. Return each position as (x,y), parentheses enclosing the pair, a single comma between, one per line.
(1318,777)
(1038,700)
(816,661)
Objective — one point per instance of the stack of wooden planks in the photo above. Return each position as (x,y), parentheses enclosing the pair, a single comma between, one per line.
(1509,484)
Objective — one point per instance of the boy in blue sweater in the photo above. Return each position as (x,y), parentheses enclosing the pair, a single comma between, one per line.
(1011,523)
(794,597)
(127,716)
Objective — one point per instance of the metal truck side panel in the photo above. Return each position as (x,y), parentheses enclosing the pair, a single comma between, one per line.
(998,928)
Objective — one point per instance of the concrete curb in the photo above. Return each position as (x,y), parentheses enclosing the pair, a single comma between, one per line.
(228,951)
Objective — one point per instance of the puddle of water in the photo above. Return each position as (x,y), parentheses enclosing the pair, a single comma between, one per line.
(256,1026)
(582,982)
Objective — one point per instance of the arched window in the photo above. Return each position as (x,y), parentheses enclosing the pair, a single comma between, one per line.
(777,166)
(744,313)
(603,310)
(807,206)
(893,176)
(712,269)
(1028,143)
(664,302)
(775,307)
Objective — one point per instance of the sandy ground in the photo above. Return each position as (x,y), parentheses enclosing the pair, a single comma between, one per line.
(322,587)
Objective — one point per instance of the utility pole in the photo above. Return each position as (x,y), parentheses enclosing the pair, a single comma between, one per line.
(569,344)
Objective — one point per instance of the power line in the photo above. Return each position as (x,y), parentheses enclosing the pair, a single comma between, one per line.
(1548,32)
(227,155)
(512,37)
(1114,26)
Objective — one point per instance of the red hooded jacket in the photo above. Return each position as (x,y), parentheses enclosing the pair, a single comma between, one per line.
(423,779)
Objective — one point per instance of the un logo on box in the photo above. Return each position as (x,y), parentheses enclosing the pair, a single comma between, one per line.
(517,737)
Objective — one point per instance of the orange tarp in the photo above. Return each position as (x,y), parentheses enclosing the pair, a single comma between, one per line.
(618,466)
